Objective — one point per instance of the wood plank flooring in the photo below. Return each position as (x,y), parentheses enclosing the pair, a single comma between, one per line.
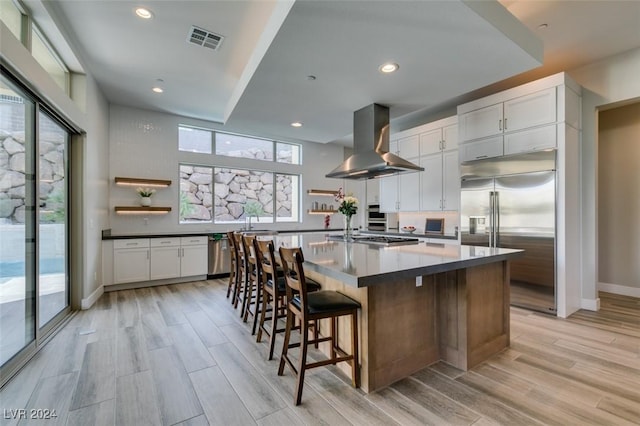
(180,354)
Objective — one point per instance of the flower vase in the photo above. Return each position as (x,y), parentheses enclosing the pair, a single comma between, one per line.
(145,201)
(348,230)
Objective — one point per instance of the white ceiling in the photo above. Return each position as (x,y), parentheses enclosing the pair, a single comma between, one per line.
(256,83)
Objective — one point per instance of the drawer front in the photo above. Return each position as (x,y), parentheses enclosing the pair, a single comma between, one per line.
(530,140)
(133,243)
(165,242)
(194,241)
(486,148)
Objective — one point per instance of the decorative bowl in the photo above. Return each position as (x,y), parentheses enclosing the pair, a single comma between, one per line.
(408,229)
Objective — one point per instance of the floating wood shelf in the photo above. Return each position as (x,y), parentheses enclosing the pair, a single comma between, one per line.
(322,192)
(311,211)
(142,182)
(142,210)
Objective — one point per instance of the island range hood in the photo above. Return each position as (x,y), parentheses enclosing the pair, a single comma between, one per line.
(371,157)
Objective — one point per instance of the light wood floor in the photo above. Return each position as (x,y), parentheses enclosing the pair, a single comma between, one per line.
(179,354)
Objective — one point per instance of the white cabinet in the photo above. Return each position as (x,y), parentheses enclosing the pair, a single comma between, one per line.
(130,260)
(450,181)
(484,148)
(409,147)
(515,114)
(144,259)
(373,191)
(440,181)
(165,258)
(508,127)
(194,258)
(534,139)
(481,123)
(401,192)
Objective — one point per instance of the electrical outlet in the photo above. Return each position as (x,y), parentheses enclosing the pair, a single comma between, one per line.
(419,281)
(146,221)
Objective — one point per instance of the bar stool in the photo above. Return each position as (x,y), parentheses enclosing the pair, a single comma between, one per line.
(254,281)
(233,271)
(273,292)
(312,307)
(242,273)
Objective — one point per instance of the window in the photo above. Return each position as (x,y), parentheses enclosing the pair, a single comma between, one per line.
(226,195)
(243,146)
(194,140)
(287,153)
(46,56)
(12,17)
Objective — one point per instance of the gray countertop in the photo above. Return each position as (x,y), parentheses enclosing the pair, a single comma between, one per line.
(362,265)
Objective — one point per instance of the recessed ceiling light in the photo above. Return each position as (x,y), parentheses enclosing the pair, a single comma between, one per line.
(543,26)
(143,13)
(158,89)
(389,67)
(296,124)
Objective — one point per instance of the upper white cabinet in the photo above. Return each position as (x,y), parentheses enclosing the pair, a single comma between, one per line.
(522,119)
(440,181)
(432,146)
(512,115)
(399,192)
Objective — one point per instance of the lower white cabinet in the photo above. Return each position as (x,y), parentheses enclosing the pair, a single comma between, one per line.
(165,258)
(144,259)
(194,256)
(131,260)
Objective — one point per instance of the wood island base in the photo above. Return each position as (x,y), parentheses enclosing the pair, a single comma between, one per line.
(460,317)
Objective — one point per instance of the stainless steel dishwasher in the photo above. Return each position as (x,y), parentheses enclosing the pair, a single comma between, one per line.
(219,256)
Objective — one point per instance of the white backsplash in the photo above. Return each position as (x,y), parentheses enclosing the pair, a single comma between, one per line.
(418,219)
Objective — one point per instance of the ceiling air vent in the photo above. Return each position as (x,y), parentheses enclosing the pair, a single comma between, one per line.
(204,38)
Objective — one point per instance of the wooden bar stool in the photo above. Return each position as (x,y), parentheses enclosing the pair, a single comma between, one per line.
(242,273)
(308,307)
(233,271)
(273,292)
(254,282)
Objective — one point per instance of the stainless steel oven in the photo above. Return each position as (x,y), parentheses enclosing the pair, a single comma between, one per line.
(379,221)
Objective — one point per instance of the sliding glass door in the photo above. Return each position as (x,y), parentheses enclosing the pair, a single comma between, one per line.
(53,294)
(17,223)
(34,278)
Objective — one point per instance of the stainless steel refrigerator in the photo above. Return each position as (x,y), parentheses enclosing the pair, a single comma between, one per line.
(510,202)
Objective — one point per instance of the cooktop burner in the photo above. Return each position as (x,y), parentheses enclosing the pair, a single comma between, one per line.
(380,240)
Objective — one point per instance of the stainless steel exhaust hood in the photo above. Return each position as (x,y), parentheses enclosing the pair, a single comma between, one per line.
(371,157)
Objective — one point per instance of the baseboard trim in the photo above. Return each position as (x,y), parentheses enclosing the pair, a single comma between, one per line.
(622,290)
(93,298)
(590,304)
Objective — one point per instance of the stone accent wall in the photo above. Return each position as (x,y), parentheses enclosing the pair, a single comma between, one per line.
(232,190)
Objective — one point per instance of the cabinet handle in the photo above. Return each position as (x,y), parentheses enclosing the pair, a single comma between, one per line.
(505,123)
(444,145)
(500,125)
(179,255)
(481,156)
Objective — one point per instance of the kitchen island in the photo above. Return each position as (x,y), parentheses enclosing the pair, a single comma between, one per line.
(421,303)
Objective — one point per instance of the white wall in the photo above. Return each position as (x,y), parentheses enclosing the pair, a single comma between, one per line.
(144,144)
(95,181)
(606,82)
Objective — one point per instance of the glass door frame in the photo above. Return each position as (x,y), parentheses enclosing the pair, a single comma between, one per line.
(32,227)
